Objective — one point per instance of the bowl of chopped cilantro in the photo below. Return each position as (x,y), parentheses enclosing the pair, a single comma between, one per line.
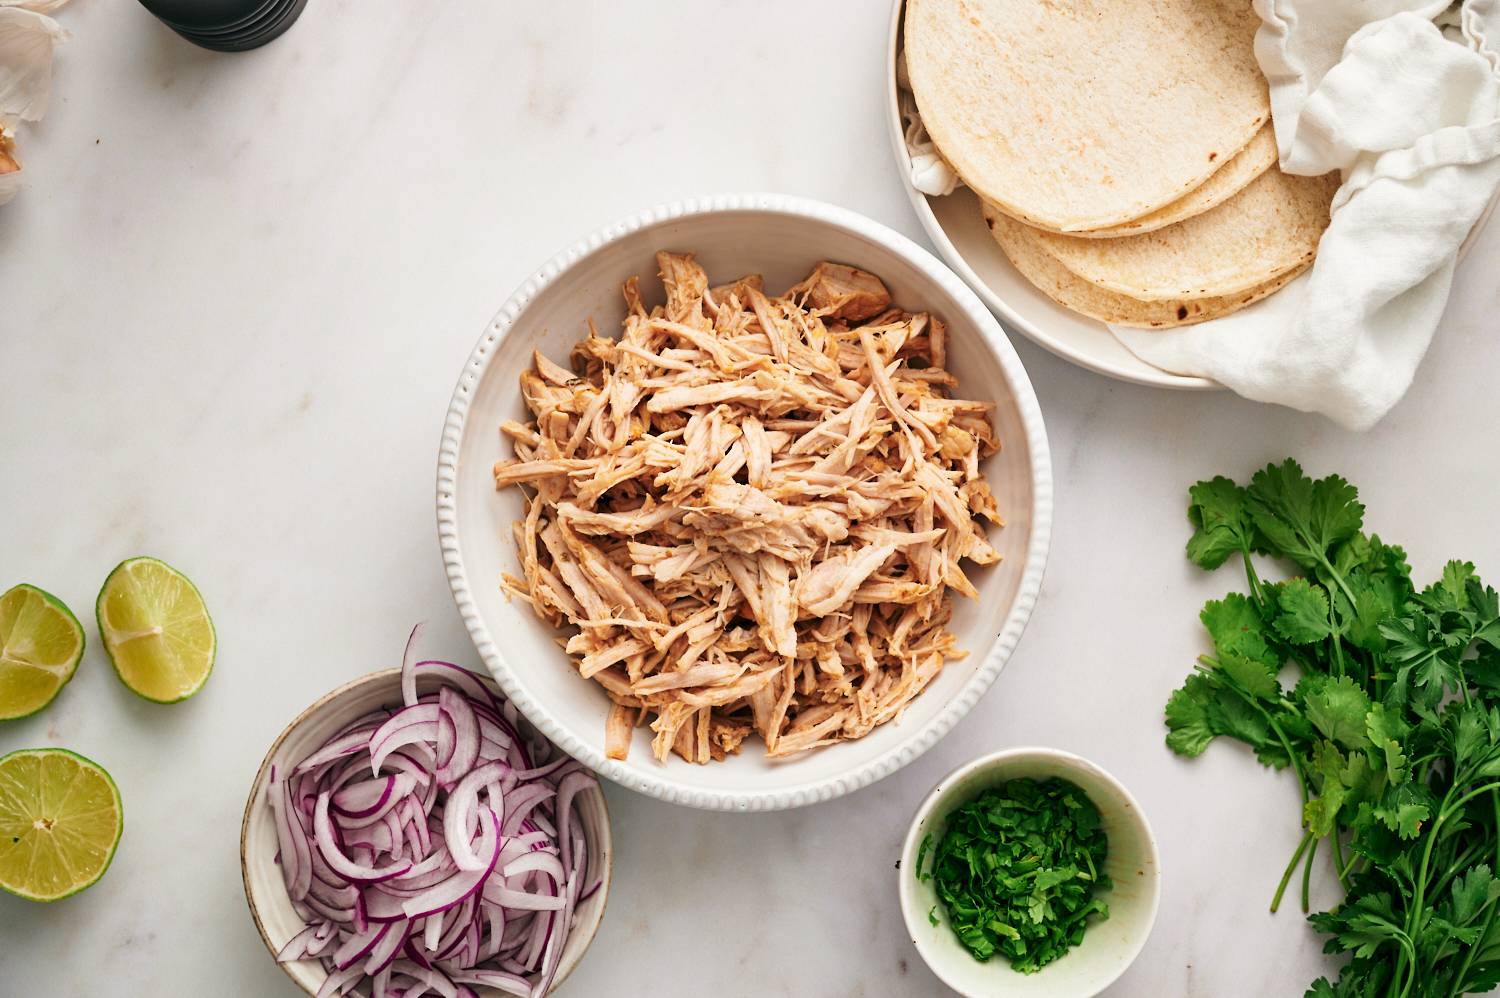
(1030,871)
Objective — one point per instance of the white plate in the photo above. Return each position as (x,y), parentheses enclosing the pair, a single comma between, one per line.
(782,238)
(954,225)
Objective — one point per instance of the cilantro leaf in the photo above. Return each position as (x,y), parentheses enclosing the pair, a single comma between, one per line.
(1366,926)
(1221,522)
(1235,625)
(1471,892)
(1403,810)
(1362,622)
(1304,612)
(1386,731)
(1337,708)
(1188,726)
(1252,675)
(1320,815)
(1303,519)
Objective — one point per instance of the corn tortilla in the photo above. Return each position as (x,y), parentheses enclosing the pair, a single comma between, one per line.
(1270,227)
(1081,114)
(1071,291)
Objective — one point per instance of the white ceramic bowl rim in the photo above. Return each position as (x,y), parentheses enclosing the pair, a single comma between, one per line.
(662,785)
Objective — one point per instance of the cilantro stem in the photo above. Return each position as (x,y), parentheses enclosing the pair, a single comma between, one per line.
(1463,969)
(1338,860)
(1286,875)
(1336,577)
(1209,665)
(1307,876)
(1418,902)
(1252,577)
(1447,810)
(1349,869)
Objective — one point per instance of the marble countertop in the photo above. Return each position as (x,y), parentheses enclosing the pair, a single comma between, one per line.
(233,303)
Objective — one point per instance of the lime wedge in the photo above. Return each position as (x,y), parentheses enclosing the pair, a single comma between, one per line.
(60,821)
(40,645)
(156,630)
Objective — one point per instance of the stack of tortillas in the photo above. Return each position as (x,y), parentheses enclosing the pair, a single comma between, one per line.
(1122,148)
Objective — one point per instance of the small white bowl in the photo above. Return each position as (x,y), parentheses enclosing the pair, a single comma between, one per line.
(265,890)
(1108,947)
(782,238)
(954,225)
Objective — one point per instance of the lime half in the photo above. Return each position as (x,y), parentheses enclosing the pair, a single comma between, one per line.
(40,645)
(60,821)
(156,630)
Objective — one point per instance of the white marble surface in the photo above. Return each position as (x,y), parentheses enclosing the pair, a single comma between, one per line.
(233,303)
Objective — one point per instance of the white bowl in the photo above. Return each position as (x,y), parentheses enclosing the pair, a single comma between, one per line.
(1108,946)
(782,238)
(955,226)
(265,890)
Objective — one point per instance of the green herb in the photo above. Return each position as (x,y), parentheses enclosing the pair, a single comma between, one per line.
(1017,869)
(1384,702)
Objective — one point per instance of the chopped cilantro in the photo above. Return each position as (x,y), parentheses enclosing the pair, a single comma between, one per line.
(1017,871)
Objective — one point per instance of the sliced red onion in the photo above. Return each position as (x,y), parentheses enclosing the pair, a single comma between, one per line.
(372,798)
(410,725)
(384,951)
(332,913)
(432,931)
(568,788)
(296,861)
(334,985)
(520,899)
(409,667)
(544,862)
(430,978)
(335,897)
(465,736)
(347,745)
(511,984)
(299,946)
(460,679)
(359,945)
(323,836)
(433,848)
(461,811)
(463,883)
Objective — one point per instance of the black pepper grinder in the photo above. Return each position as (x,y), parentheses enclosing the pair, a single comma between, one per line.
(227,25)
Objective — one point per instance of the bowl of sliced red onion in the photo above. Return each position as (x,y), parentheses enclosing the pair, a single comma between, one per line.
(410,833)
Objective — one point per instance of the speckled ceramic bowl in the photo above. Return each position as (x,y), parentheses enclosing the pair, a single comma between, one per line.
(1108,947)
(271,906)
(782,238)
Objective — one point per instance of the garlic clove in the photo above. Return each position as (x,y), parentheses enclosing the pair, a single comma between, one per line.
(39,6)
(10,169)
(26,43)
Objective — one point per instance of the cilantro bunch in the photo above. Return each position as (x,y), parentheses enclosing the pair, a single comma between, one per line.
(1017,869)
(1384,702)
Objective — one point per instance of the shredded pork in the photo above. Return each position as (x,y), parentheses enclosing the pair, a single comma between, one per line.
(747,513)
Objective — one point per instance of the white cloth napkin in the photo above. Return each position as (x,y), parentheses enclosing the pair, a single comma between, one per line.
(1403,96)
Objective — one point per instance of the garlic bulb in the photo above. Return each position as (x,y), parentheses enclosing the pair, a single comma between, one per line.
(26,43)
(10,170)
